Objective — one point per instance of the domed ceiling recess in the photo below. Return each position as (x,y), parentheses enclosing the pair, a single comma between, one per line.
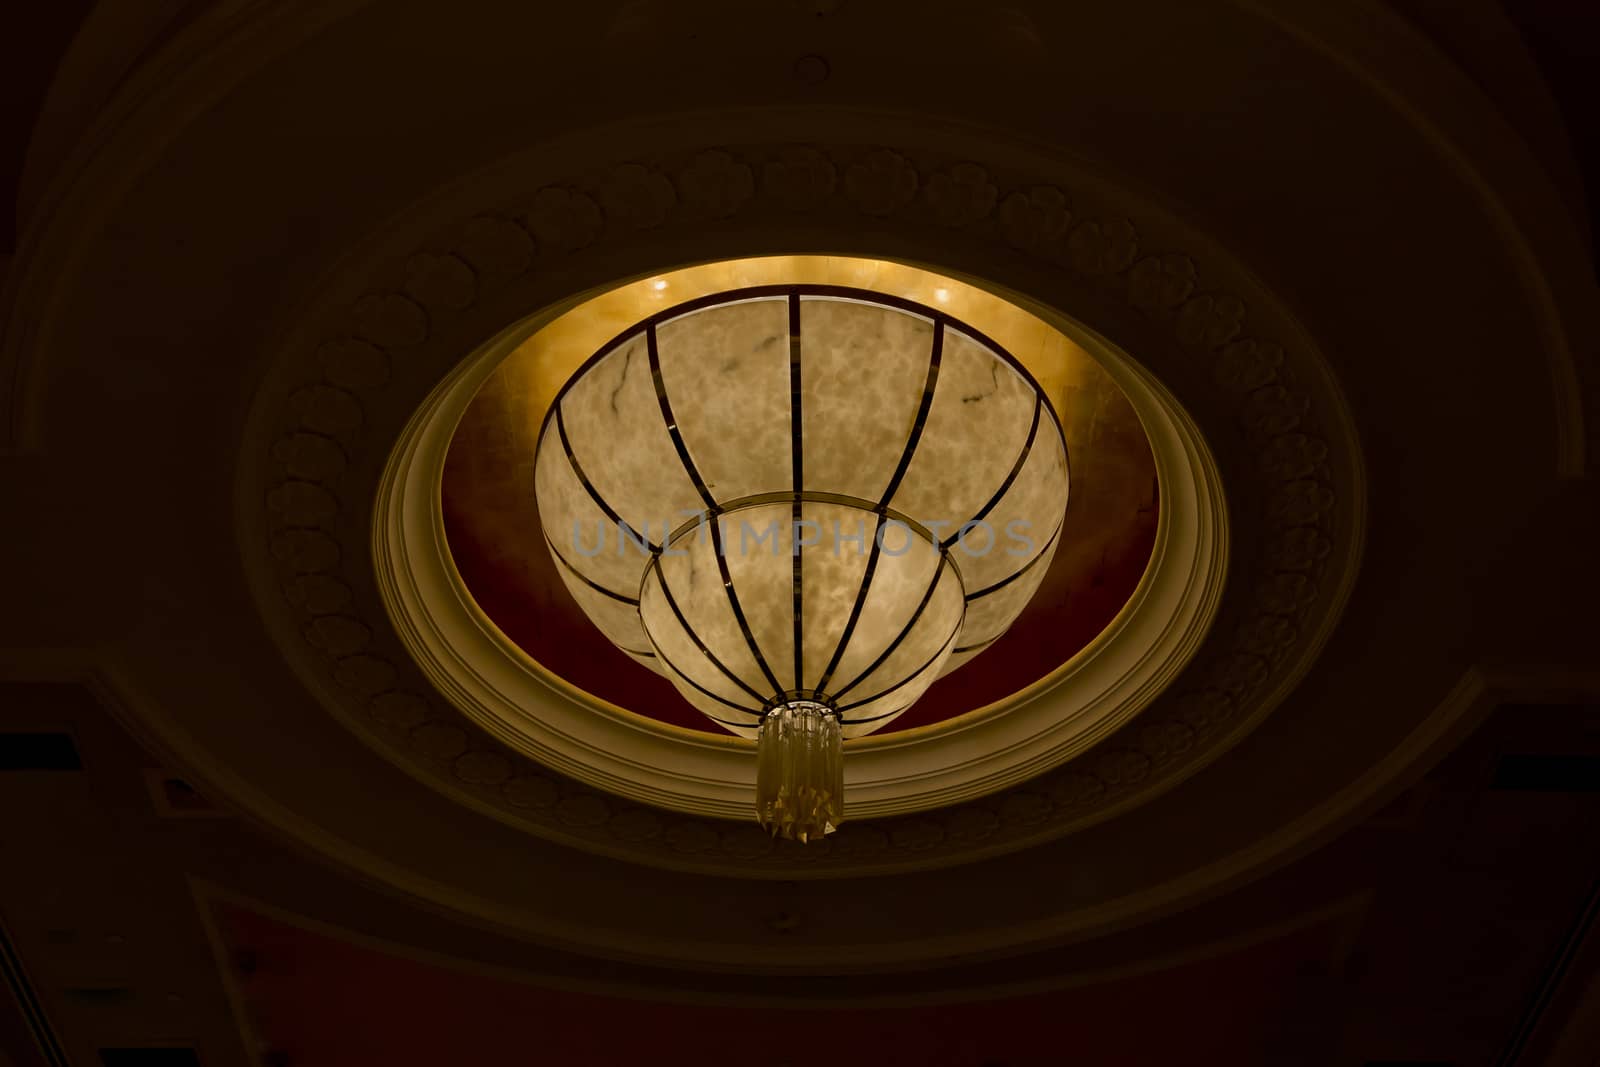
(567,489)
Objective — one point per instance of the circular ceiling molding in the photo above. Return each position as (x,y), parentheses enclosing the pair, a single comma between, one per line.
(385,347)
(532,709)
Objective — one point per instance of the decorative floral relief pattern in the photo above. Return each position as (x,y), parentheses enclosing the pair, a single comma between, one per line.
(1284,594)
(1273,410)
(882,183)
(353,364)
(1246,365)
(497,248)
(1209,320)
(1205,709)
(637,197)
(564,220)
(391,319)
(1160,283)
(303,503)
(325,416)
(310,456)
(960,196)
(485,768)
(716,184)
(304,552)
(1294,455)
(327,410)
(1035,219)
(799,179)
(338,635)
(1102,247)
(441,283)
(1267,636)
(1163,741)
(317,594)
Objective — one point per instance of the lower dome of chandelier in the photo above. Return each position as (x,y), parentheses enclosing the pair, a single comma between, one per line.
(815,503)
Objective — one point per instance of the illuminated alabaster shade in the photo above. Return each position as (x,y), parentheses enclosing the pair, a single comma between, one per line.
(801,506)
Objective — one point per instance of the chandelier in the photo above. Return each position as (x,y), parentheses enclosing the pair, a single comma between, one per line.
(801,505)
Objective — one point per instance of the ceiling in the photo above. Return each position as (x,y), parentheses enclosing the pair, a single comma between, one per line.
(245,824)
(1447,928)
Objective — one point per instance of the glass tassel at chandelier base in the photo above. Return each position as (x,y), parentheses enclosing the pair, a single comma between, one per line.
(800,771)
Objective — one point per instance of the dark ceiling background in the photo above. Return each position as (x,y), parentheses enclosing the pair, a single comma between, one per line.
(31,47)
(1563,35)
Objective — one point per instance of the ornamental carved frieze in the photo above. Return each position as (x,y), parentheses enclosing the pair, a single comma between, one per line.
(315,536)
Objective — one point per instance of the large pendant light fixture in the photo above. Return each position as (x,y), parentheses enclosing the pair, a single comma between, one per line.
(801,505)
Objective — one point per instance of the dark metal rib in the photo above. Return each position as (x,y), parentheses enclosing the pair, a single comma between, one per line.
(728,507)
(797,476)
(1024,569)
(738,609)
(740,708)
(672,423)
(585,579)
(910,450)
(855,611)
(907,680)
(981,644)
(666,591)
(901,636)
(594,494)
(1016,469)
(935,357)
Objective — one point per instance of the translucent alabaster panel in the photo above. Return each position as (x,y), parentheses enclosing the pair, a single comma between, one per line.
(863,372)
(893,596)
(758,548)
(975,431)
(728,718)
(1023,520)
(690,568)
(618,621)
(726,372)
(614,424)
(988,616)
(885,709)
(922,644)
(578,530)
(677,646)
(831,573)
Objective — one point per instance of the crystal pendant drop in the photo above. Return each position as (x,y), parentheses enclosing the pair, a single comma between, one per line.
(800,771)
